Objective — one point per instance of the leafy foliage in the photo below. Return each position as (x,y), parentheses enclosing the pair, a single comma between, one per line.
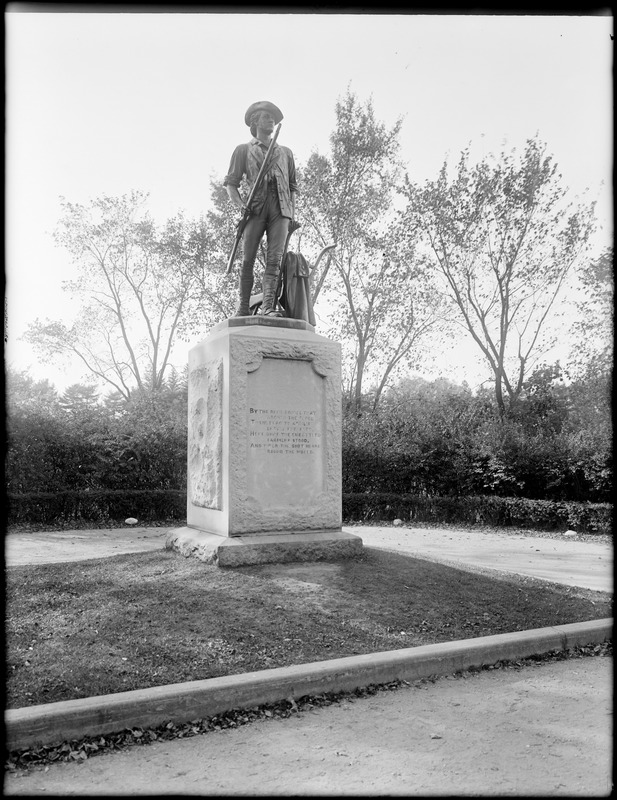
(72,446)
(439,439)
(96,508)
(518,512)
(594,326)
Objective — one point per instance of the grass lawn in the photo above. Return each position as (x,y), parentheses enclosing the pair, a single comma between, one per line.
(133,621)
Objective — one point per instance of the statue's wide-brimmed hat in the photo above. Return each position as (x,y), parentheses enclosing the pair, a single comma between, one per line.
(263,105)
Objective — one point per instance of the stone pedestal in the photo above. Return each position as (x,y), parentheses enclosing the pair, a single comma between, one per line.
(264,445)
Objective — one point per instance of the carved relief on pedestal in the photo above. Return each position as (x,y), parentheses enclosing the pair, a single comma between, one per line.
(205,420)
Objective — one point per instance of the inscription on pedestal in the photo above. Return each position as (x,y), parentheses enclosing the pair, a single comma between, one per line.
(285,442)
(283,432)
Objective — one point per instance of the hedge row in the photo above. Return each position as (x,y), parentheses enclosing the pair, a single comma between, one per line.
(153,505)
(517,512)
(146,505)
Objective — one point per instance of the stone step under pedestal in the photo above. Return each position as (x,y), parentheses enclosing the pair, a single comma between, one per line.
(263,548)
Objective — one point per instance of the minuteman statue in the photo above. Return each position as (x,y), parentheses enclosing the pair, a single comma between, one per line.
(272,206)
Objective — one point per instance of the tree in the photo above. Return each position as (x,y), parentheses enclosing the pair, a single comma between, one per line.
(79,399)
(377,303)
(115,404)
(593,353)
(502,237)
(421,439)
(135,283)
(24,392)
(544,404)
(48,449)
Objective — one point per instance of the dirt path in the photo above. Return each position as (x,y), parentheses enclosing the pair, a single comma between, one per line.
(542,730)
(47,547)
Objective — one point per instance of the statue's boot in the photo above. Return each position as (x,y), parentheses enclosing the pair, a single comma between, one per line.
(268,306)
(246,285)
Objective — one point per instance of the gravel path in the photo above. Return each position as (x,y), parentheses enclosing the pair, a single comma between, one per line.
(541,730)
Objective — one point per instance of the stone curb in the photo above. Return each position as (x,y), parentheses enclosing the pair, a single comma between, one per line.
(54,723)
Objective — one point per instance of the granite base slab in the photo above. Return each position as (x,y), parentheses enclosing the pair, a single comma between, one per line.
(263,548)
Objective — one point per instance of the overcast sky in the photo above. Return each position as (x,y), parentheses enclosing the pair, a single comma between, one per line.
(105,103)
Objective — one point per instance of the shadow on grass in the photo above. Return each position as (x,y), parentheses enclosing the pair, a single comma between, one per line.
(133,621)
